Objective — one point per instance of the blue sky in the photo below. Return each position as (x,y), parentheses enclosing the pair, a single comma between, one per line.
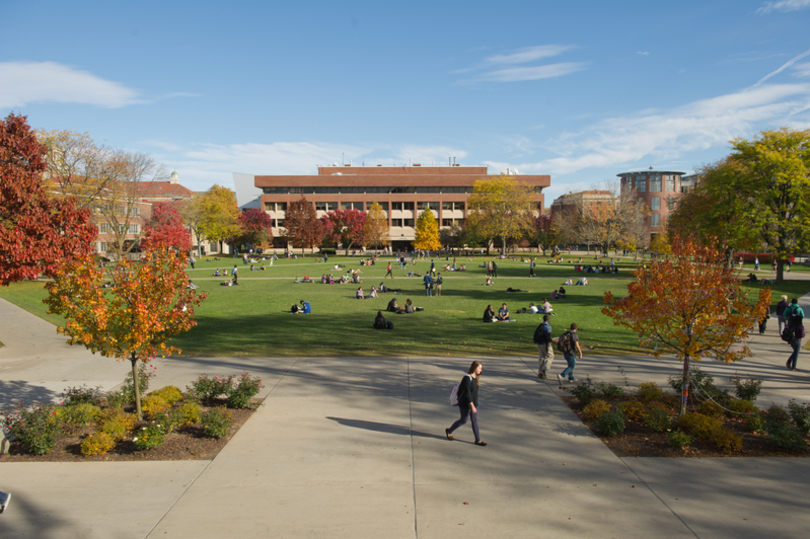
(579,90)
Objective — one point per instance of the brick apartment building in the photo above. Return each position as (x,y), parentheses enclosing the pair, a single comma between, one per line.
(660,190)
(570,203)
(403,192)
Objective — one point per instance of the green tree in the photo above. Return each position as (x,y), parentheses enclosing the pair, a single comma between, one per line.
(427,232)
(376,227)
(218,215)
(147,303)
(502,208)
(775,180)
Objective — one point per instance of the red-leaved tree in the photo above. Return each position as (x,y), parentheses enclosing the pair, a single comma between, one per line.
(38,232)
(345,227)
(166,228)
(302,225)
(256,227)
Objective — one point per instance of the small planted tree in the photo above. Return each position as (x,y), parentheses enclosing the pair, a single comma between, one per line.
(427,232)
(147,303)
(690,304)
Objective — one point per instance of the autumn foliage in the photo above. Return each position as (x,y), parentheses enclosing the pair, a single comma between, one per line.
(345,227)
(255,227)
(147,303)
(38,232)
(301,224)
(166,228)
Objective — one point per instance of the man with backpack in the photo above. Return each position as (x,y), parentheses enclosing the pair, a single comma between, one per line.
(794,332)
(568,344)
(545,348)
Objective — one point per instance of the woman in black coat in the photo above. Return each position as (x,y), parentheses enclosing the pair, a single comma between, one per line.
(468,401)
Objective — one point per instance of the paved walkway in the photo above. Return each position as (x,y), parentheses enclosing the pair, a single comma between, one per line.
(354,447)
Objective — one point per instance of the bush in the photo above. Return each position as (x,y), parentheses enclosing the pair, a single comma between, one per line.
(170,394)
(657,417)
(633,410)
(800,414)
(152,405)
(187,414)
(747,390)
(699,425)
(97,444)
(82,395)
(608,390)
(678,439)
(610,423)
(649,391)
(243,389)
(207,389)
(146,371)
(216,422)
(739,406)
(593,410)
(753,422)
(725,440)
(37,429)
(670,402)
(583,391)
(79,414)
(711,409)
(116,399)
(150,436)
(776,415)
(786,436)
(702,386)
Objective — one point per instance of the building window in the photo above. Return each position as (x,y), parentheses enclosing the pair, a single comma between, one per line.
(641,184)
(326,190)
(133,229)
(669,181)
(383,206)
(104,228)
(428,205)
(407,222)
(425,190)
(403,190)
(456,189)
(279,222)
(351,190)
(655,184)
(275,190)
(447,206)
(281,206)
(351,206)
(378,189)
(102,247)
(655,219)
(320,206)
(670,203)
(402,206)
(447,222)
(655,203)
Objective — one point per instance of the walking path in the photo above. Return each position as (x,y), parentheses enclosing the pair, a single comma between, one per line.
(355,448)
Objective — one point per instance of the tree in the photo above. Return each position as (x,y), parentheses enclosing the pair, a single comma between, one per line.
(38,232)
(256,227)
(607,216)
(427,232)
(775,180)
(376,227)
(345,227)
(76,166)
(218,215)
(192,212)
(660,244)
(147,303)
(166,228)
(303,229)
(543,234)
(501,208)
(716,211)
(691,304)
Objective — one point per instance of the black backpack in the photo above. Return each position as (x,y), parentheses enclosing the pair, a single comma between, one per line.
(539,335)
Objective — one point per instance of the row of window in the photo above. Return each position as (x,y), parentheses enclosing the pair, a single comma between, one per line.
(107,228)
(655,203)
(397,206)
(120,211)
(365,190)
(640,183)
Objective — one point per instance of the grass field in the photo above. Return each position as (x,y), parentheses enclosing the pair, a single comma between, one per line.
(253,318)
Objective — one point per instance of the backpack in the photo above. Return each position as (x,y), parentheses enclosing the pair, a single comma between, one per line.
(540,335)
(454,393)
(565,342)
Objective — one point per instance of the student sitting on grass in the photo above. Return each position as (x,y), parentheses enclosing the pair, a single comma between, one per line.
(359,293)
(503,313)
(393,307)
(380,323)
(305,308)
(489,314)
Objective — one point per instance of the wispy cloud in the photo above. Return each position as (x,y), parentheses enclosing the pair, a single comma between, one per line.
(783,67)
(497,68)
(783,5)
(643,53)
(802,70)
(22,83)
(667,135)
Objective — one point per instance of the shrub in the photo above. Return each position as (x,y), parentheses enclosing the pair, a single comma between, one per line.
(753,422)
(187,414)
(670,402)
(583,391)
(699,425)
(725,440)
(207,389)
(776,415)
(608,390)
(747,390)
(79,414)
(37,429)
(170,394)
(702,386)
(786,436)
(678,439)
(649,391)
(116,399)
(633,410)
(657,417)
(82,395)
(710,408)
(146,371)
(97,444)
(739,406)
(153,405)
(243,389)
(800,414)
(116,429)
(150,436)
(593,410)
(610,423)
(216,422)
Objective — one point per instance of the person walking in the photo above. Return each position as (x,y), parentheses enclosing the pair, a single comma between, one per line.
(545,348)
(388,271)
(568,344)
(428,284)
(531,267)
(494,269)
(5,497)
(439,281)
(468,402)
(780,313)
(797,334)
(433,268)
(192,261)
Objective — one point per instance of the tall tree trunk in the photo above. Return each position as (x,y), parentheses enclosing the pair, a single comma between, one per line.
(685,385)
(136,382)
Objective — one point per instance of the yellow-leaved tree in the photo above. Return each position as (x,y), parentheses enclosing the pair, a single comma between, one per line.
(427,232)
(502,208)
(376,227)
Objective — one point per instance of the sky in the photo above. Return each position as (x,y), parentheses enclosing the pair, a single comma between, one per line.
(579,90)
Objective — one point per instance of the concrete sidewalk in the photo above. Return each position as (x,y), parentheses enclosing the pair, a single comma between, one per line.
(355,447)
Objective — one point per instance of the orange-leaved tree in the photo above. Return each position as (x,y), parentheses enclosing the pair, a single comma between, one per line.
(690,304)
(147,303)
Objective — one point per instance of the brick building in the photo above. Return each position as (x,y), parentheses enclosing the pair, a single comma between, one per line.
(659,189)
(570,203)
(403,192)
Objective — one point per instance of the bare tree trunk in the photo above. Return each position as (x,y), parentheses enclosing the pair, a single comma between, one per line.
(685,385)
(136,382)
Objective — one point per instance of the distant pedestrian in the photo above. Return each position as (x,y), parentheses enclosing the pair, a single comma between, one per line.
(756,263)
(433,268)
(545,348)
(5,497)
(388,271)
(468,402)
(192,262)
(797,334)
(439,281)
(428,284)
(531,267)
(494,269)
(568,344)
(780,313)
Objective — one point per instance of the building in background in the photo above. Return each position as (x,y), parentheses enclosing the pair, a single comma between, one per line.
(571,204)
(402,192)
(659,189)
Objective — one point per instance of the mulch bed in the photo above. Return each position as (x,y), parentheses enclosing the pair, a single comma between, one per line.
(183,443)
(639,441)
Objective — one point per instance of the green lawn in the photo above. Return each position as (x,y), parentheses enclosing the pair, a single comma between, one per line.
(253,319)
